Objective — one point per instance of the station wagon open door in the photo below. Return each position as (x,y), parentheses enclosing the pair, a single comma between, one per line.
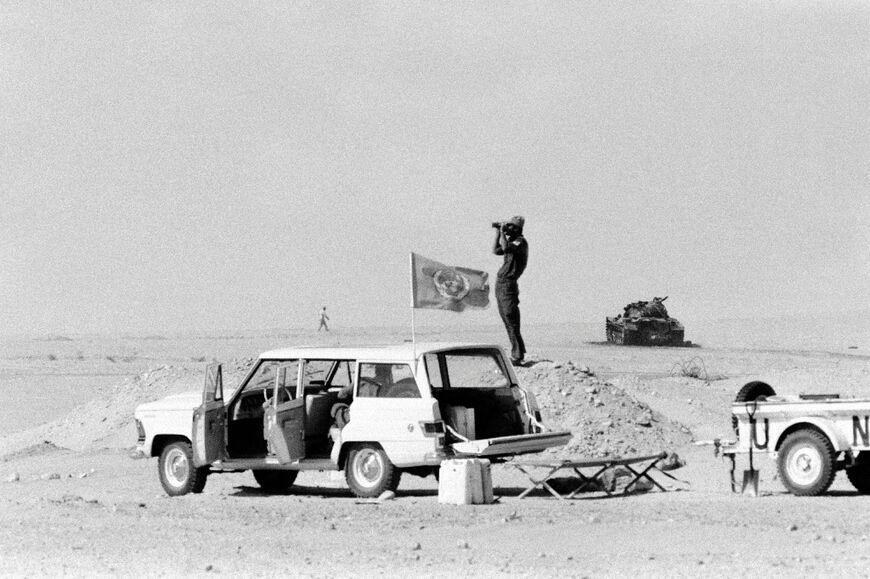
(209,419)
(285,417)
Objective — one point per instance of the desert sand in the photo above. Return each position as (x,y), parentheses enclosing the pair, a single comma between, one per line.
(73,502)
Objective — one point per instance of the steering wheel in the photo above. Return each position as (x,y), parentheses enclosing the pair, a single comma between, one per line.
(284,395)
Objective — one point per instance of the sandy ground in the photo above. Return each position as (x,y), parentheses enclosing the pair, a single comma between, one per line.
(73,503)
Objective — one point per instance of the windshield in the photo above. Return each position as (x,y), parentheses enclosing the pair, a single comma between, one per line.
(466,369)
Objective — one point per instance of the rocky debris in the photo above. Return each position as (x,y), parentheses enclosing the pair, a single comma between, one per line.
(238,367)
(671,462)
(75,500)
(13,477)
(40,448)
(386,496)
(604,419)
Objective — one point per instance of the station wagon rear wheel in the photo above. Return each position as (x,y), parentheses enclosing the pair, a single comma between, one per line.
(177,473)
(806,463)
(369,471)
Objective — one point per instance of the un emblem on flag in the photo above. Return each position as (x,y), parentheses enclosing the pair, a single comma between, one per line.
(451,284)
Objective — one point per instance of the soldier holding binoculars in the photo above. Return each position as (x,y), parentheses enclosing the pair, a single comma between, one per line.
(510,243)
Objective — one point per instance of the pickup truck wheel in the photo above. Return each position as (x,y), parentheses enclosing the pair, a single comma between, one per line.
(275,480)
(806,463)
(859,474)
(369,471)
(177,473)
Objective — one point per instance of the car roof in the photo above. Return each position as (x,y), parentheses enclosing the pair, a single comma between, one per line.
(400,352)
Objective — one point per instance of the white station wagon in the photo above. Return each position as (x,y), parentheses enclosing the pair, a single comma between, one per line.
(373,412)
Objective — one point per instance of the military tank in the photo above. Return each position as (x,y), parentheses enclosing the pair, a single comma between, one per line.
(645,324)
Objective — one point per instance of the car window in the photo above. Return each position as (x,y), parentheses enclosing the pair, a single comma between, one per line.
(260,387)
(316,373)
(433,370)
(288,374)
(387,381)
(263,377)
(332,375)
(474,369)
(342,376)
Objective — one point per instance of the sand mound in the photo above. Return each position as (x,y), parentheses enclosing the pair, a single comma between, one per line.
(605,420)
(107,421)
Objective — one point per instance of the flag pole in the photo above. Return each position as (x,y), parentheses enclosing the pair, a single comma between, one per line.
(413,325)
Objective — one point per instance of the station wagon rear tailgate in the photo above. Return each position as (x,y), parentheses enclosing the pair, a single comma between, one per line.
(509,445)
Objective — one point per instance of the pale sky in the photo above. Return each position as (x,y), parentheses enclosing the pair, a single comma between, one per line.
(175,166)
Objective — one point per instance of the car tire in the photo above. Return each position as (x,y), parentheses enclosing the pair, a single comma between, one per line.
(275,481)
(369,472)
(859,473)
(806,463)
(752,391)
(178,475)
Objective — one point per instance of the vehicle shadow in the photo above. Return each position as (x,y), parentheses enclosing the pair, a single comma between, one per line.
(830,493)
(842,494)
(322,492)
(590,495)
(498,492)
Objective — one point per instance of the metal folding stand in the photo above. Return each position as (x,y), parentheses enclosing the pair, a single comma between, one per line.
(648,464)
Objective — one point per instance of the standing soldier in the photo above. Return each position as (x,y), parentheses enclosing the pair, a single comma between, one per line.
(510,243)
(323,319)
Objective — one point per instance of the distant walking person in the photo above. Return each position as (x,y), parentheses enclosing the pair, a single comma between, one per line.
(323,320)
(510,243)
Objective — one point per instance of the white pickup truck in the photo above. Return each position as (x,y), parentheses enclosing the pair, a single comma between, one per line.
(374,412)
(812,436)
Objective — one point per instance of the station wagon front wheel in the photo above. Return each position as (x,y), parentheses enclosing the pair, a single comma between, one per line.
(178,475)
(369,471)
(806,463)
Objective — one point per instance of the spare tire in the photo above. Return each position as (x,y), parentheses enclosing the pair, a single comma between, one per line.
(754,391)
